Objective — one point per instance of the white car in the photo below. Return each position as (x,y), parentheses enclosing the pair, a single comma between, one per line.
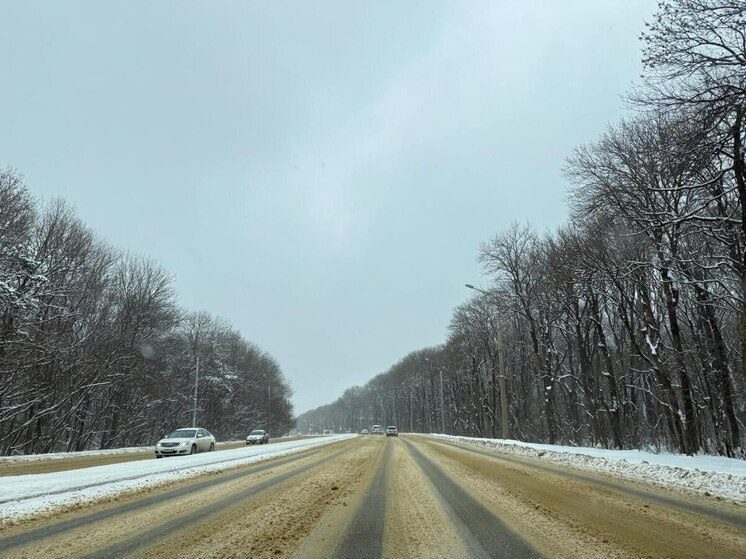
(258,436)
(189,440)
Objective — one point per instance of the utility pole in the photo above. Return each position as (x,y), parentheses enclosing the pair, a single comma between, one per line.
(194,404)
(269,403)
(442,406)
(503,392)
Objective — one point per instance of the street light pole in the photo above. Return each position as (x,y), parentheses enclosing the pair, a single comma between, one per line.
(411,414)
(442,407)
(501,380)
(194,404)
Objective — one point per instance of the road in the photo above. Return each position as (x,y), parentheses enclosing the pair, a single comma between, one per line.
(76,462)
(397,498)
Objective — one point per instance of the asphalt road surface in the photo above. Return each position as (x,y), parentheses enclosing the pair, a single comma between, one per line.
(411,497)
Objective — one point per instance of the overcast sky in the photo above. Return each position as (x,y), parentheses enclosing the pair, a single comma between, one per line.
(319,173)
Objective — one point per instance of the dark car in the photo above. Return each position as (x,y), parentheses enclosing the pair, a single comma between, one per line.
(258,436)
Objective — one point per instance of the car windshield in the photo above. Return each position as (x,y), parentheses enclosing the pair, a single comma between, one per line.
(183,434)
(257,432)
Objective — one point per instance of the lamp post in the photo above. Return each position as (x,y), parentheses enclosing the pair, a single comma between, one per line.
(505,428)
(194,403)
(442,406)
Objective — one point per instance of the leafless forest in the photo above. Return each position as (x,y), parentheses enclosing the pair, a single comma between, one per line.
(95,351)
(625,328)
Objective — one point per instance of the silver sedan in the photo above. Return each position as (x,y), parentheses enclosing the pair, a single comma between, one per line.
(189,440)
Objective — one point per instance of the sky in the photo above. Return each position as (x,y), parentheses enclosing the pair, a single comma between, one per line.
(319,173)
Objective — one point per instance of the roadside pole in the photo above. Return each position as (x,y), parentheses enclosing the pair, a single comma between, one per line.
(194,404)
(442,406)
(411,423)
(501,382)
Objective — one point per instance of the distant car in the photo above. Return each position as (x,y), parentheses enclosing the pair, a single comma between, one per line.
(376,430)
(258,436)
(327,432)
(189,440)
(392,431)
(364,432)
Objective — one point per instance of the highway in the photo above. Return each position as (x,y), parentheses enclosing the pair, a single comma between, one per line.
(8,468)
(405,497)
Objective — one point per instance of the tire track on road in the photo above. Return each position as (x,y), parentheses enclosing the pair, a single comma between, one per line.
(556,513)
(59,528)
(735,518)
(91,485)
(363,538)
(158,533)
(495,538)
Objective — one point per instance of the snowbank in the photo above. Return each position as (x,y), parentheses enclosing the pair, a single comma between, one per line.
(29,495)
(704,474)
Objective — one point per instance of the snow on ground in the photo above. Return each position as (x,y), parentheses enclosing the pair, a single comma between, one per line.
(704,474)
(29,495)
(83,453)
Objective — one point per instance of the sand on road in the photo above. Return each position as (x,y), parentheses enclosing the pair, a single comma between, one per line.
(385,497)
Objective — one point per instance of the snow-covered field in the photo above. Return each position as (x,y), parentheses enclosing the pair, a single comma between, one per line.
(32,494)
(704,474)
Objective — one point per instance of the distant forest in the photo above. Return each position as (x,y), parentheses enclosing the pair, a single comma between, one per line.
(95,351)
(625,328)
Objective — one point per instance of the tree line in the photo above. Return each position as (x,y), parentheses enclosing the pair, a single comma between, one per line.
(626,327)
(95,351)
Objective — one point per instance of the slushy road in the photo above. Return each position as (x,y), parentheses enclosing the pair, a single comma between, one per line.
(371,496)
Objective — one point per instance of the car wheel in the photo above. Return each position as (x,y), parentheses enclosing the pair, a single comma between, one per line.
(212,447)
(193,449)
(158,456)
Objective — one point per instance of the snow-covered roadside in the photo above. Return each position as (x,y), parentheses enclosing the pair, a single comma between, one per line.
(29,495)
(84,453)
(707,475)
